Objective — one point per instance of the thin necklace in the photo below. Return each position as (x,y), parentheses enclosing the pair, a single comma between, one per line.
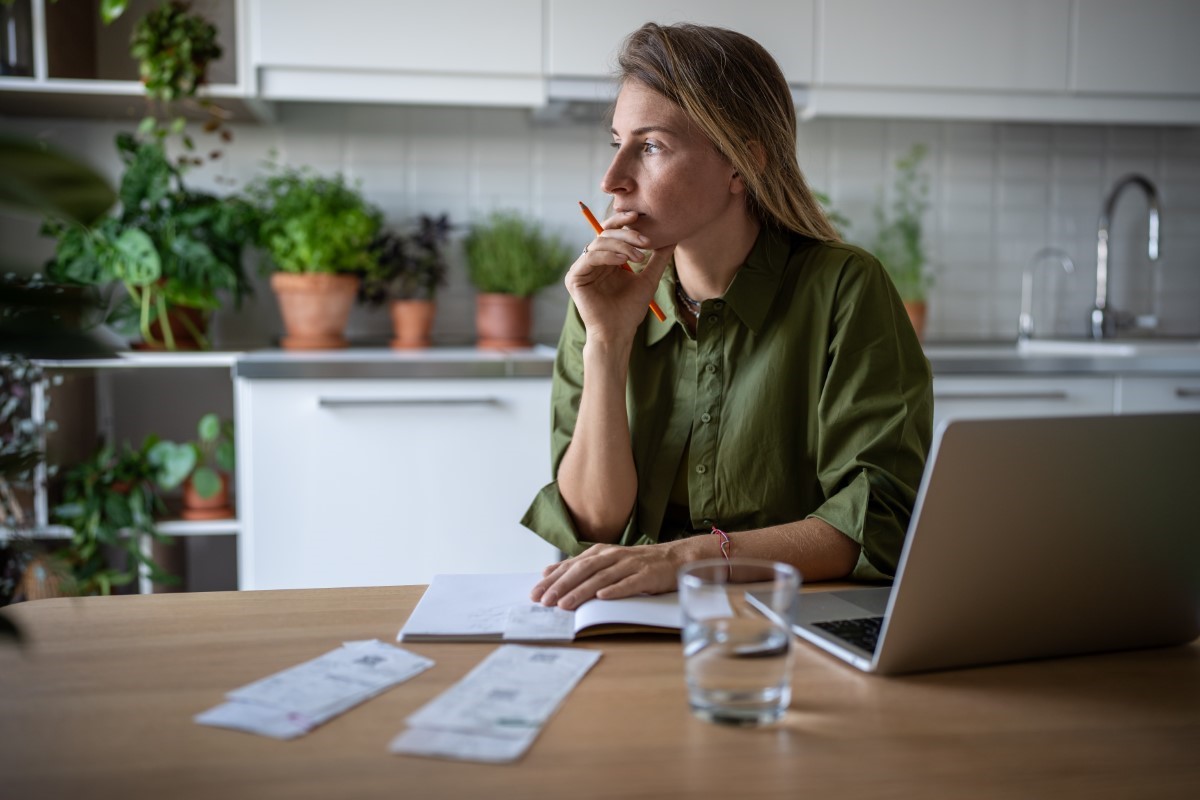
(689,305)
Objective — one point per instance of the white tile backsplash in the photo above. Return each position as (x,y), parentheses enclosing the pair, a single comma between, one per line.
(999,193)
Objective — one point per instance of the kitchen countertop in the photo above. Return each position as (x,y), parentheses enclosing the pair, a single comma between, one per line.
(435,362)
(946,358)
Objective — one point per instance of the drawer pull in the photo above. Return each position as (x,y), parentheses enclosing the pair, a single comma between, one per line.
(405,402)
(1001,396)
(1187,394)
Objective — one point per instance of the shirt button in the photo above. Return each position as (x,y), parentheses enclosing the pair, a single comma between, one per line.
(712,318)
(718,304)
(706,522)
(701,469)
(706,417)
(710,369)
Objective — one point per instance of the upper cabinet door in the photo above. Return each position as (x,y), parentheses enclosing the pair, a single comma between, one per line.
(1143,47)
(1015,45)
(584,37)
(445,36)
(446,52)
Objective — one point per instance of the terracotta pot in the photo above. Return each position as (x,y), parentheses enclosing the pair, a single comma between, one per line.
(503,321)
(315,308)
(215,507)
(412,321)
(916,315)
(197,318)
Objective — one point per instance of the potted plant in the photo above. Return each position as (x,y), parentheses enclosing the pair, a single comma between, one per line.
(509,259)
(201,466)
(174,251)
(899,243)
(110,502)
(318,232)
(411,269)
(173,47)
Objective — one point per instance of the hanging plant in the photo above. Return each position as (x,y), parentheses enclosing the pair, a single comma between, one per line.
(174,47)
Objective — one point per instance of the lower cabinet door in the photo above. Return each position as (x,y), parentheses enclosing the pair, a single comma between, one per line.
(1175,394)
(385,482)
(1020,397)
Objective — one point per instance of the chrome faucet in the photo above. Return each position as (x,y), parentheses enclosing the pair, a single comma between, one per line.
(1104,320)
(1025,320)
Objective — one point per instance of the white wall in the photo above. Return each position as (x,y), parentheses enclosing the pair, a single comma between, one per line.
(1000,192)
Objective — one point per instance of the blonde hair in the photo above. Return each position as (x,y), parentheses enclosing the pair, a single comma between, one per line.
(730,87)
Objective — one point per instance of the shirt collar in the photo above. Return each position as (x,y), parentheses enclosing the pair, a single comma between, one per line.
(749,295)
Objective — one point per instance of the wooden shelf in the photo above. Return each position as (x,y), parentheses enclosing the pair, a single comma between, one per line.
(181,528)
(149,360)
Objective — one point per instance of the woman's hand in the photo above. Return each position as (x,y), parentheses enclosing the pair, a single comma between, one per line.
(612,301)
(608,572)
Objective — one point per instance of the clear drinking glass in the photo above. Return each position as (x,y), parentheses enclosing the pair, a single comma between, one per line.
(737,659)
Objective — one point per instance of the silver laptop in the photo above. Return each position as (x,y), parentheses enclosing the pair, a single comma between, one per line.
(1033,538)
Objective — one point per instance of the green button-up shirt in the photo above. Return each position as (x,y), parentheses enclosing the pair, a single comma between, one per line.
(804,393)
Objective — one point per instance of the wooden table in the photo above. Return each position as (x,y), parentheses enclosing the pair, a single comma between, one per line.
(100,701)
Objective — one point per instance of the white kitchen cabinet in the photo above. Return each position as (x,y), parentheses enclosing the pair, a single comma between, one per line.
(475,52)
(1021,396)
(1158,394)
(1017,45)
(1141,48)
(583,38)
(1075,61)
(77,66)
(352,482)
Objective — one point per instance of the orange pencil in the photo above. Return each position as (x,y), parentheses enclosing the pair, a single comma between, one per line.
(595,223)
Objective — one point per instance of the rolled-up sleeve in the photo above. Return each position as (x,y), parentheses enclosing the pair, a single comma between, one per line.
(548,515)
(875,418)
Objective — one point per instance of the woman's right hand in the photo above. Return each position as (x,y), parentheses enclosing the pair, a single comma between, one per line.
(612,301)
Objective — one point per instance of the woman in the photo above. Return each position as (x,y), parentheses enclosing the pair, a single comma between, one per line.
(785,401)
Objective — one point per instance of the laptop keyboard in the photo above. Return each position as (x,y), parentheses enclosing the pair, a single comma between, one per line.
(863,632)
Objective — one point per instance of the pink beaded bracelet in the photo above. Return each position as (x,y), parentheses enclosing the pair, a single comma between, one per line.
(726,546)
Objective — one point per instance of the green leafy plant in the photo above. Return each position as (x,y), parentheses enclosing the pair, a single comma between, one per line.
(836,218)
(508,254)
(37,179)
(899,243)
(110,502)
(174,48)
(198,460)
(410,267)
(168,245)
(313,224)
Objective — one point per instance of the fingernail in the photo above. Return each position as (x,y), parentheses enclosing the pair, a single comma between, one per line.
(548,598)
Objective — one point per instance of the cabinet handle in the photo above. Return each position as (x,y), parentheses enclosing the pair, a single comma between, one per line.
(404,402)
(1001,396)
(1187,394)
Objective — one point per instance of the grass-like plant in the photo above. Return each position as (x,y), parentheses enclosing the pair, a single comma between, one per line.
(900,243)
(508,254)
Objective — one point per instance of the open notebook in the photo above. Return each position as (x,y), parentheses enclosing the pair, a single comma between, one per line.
(482,608)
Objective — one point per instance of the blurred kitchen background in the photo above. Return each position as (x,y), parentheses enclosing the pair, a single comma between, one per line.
(1030,111)
(1000,190)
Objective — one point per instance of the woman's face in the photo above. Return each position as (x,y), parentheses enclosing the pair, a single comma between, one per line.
(666,170)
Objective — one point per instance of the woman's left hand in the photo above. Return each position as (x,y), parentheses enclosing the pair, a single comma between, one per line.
(608,571)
